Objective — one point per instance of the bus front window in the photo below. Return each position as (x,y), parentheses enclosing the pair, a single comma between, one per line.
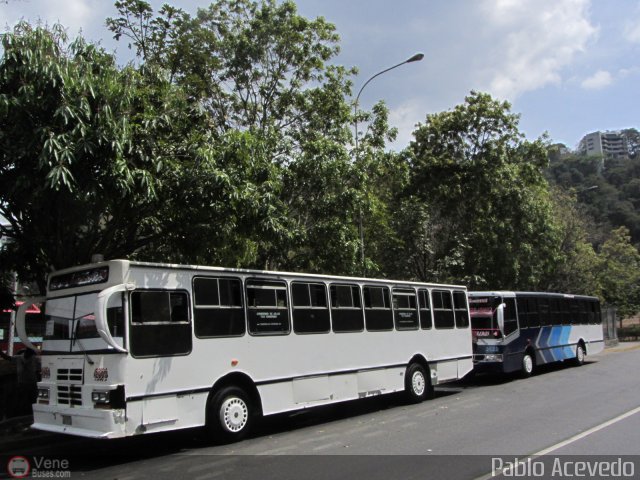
(484,318)
(71,318)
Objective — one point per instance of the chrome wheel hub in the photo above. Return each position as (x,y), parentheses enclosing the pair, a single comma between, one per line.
(234,414)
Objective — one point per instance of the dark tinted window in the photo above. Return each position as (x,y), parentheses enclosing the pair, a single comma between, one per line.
(160,323)
(523,312)
(267,307)
(544,310)
(461,311)
(310,309)
(424,304)
(442,309)
(218,310)
(346,308)
(377,308)
(405,309)
(510,320)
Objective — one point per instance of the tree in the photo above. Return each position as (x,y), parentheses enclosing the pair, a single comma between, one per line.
(577,263)
(620,272)
(261,68)
(97,159)
(487,198)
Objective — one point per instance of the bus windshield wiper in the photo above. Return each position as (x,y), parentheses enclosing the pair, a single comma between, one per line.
(75,338)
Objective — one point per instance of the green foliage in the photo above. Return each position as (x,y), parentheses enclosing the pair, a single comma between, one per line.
(97,159)
(487,198)
(577,266)
(620,272)
(608,189)
(260,68)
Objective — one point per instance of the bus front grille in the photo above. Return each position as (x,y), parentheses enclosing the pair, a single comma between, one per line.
(70,374)
(70,395)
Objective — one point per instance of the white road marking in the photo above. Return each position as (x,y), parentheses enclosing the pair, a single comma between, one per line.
(570,440)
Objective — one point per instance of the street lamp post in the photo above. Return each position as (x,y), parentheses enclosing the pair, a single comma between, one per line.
(415,58)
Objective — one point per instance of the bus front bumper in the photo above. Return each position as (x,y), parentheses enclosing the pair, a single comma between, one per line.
(488,363)
(92,423)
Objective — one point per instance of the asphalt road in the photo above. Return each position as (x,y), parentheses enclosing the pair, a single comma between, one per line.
(560,411)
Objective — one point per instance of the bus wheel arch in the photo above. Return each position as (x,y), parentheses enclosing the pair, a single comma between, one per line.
(418,386)
(232,407)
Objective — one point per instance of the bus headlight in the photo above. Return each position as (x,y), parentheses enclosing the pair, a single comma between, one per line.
(100,397)
(43,394)
(493,358)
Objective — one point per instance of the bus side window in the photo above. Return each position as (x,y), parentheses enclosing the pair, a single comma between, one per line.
(377,308)
(544,310)
(533,318)
(598,313)
(460,307)
(575,312)
(425,309)
(405,309)
(267,307)
(510,321)
(442,309)
(346,308)
(218,308)
(160,323)
(310,308)
(584,312)
(522,305)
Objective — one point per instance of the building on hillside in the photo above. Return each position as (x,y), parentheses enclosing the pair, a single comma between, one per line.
(608,145)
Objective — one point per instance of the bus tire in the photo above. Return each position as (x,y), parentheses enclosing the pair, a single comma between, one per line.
(580,354)
(230,414)
(528,364)
(417,384)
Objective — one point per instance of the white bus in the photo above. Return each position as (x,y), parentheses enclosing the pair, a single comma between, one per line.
(133,347)
(517,331)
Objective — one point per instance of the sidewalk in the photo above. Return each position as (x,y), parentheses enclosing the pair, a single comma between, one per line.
(623,347)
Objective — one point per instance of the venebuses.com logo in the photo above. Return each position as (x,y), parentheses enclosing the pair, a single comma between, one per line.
(19,466)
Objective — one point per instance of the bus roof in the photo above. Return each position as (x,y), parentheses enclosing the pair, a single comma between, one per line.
(124,265)
(505,293)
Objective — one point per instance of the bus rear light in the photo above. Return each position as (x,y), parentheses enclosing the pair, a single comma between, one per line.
(45,372)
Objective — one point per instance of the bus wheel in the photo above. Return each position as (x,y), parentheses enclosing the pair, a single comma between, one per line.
(526,368)
(229,414)
(417,384)
(579,358)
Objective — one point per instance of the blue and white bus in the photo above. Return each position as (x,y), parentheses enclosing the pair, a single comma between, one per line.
(517,331)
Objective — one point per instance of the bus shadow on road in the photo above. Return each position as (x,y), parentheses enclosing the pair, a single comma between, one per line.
(490,379)
(336,412)
(89,454)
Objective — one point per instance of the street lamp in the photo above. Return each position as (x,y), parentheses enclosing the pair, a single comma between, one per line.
(415,58)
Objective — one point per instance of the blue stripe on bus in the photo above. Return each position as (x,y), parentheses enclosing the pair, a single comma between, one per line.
(564,340)
(553,343)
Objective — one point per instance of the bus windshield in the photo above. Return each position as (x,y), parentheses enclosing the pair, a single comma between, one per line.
(483,312)
(71,320)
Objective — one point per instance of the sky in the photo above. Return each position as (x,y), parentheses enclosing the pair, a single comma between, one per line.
(568,67)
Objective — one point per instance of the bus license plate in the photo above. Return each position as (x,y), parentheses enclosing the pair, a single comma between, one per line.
(66,419)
